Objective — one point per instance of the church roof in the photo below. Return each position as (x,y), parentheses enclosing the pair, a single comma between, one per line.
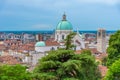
(40,44)
(64,24)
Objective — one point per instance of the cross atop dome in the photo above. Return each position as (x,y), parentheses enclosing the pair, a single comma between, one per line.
(64,17)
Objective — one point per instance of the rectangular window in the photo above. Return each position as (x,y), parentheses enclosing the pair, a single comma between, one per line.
(62,36)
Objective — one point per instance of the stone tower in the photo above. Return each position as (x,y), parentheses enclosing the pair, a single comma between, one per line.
(101,40)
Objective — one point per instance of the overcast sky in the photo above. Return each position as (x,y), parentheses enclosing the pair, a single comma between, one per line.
(45,14)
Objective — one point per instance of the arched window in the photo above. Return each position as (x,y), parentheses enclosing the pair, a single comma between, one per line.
(57,37)
(103,33)
(99,34)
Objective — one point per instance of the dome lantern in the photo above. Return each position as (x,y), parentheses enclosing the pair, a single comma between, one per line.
(64,17)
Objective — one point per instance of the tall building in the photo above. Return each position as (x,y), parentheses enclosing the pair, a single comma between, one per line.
(101,40)
(63,28)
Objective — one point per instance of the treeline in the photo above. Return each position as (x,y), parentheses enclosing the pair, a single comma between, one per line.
(57,65)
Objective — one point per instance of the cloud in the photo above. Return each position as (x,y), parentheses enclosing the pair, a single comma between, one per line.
(79,12)
(53,5)
(109,2)
(61,3)
(31,3)
(42,27)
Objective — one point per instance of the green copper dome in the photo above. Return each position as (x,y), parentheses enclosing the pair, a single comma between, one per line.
(40,44)
(64,24)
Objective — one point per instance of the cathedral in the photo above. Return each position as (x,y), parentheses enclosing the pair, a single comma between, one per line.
(63,28)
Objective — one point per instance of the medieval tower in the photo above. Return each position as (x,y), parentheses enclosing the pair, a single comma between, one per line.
(101,40)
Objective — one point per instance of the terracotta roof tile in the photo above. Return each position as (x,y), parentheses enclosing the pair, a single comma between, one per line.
(103,70)
(9,60)
(51,42)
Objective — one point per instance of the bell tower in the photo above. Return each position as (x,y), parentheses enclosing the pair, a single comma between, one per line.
(101,40)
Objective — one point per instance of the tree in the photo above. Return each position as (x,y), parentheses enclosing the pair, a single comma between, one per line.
(114,48)
(15,72)
(114,71)
(68,41)
(66,65)
(104,61)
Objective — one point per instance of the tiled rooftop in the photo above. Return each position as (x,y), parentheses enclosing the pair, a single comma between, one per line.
(9,60)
